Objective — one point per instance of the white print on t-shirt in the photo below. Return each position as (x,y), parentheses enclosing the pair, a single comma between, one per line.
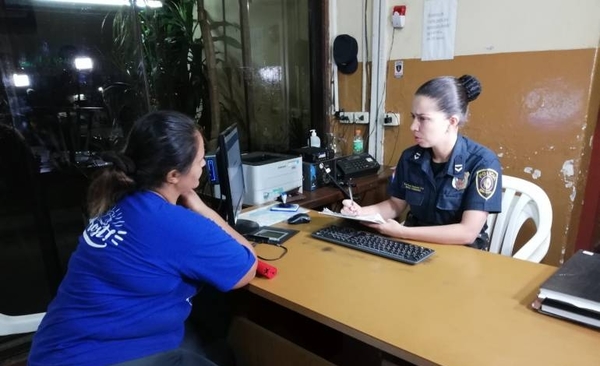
(105,229)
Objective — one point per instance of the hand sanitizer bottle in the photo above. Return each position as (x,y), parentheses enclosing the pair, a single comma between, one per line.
(314,140)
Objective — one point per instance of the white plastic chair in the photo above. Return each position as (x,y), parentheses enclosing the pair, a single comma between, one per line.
(521,200)
(19,323)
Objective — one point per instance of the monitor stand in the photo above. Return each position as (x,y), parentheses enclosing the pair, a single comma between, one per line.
(245,227)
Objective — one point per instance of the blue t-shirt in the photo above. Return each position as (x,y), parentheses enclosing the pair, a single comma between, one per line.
(471,180)
(129,285)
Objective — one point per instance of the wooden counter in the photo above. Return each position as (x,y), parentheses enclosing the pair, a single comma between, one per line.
(462,307)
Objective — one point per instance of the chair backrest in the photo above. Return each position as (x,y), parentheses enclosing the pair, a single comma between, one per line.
(521,200)
(20,323)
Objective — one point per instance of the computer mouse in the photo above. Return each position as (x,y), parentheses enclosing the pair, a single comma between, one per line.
(299,218)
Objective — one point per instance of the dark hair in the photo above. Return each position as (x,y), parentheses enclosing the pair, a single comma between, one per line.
(157,143)
(451,94)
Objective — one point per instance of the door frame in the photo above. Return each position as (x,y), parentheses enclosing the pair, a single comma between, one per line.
(591,200)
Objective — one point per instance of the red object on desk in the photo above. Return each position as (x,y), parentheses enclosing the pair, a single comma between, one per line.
(265,270)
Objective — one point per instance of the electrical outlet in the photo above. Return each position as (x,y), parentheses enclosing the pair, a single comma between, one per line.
(361,117)
(391,119)
(346,117)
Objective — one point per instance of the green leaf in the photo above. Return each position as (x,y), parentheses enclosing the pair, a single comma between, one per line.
(229,41)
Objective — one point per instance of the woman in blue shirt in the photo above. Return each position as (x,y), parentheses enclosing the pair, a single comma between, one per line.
(448,182)
(151,245)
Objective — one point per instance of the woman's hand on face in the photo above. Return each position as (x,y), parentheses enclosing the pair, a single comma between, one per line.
(350,208)
(191,200)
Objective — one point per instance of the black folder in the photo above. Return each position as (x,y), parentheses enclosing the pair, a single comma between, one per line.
(573,291)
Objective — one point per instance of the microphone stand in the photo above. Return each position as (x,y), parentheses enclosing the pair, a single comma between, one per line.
(348,183)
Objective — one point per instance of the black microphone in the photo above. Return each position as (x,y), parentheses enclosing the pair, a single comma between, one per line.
(326,170)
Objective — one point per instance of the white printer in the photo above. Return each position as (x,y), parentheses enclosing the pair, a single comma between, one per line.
(267,175)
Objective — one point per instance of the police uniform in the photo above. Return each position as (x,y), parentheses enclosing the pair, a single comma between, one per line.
(471,180)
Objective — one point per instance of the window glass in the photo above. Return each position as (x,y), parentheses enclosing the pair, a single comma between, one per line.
(263,65)
(76,74)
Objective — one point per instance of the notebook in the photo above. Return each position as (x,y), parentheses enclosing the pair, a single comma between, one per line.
(576,282)
(567,311)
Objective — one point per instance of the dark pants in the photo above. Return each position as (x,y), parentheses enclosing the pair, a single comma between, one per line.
(176,357)
(190,353)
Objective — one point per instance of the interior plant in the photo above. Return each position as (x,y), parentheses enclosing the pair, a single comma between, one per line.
(169,64)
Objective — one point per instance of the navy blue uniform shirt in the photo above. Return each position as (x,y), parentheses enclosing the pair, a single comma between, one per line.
(471,180)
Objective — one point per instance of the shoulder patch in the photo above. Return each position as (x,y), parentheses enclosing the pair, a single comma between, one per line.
(486,181)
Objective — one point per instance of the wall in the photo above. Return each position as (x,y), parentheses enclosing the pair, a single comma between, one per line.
(538,64)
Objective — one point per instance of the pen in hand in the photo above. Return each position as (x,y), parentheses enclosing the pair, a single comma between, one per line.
(352,207)
(350,192)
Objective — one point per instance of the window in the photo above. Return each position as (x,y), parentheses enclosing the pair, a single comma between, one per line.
(76,75)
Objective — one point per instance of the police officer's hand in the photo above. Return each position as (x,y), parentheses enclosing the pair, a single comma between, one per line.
(390,228)
(350,208)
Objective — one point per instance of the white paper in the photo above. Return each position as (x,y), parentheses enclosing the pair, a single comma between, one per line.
(439,29)
(263,216)
(376,218)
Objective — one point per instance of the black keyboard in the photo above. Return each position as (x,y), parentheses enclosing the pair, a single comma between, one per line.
(374,244)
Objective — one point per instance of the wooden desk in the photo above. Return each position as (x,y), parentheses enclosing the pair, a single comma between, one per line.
(462,307)
(327,195)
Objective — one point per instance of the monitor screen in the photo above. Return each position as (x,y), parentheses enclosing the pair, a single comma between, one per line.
(231,179)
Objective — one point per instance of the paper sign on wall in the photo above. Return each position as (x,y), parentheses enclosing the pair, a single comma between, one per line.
(439,29)
(398,69)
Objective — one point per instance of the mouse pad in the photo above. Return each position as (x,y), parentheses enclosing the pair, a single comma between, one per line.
(271,235)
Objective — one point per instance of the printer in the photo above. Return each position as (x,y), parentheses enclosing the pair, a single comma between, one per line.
(267,175)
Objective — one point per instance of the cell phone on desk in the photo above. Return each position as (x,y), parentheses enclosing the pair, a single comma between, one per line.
(357,165)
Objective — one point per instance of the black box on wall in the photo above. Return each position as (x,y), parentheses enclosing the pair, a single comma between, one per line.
(313,176)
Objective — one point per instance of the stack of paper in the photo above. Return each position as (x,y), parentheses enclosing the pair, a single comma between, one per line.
(573,291)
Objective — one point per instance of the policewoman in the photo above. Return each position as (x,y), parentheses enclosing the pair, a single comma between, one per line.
(448,182)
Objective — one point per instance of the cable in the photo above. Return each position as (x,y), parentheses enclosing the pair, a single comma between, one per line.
(394,149)
(395,143)
(285,250)
(366,31)
(326,172)
(370,131)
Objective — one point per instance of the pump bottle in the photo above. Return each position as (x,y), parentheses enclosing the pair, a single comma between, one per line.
(314,140)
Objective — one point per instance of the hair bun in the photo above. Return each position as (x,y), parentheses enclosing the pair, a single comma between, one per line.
(472,86)
(120,161)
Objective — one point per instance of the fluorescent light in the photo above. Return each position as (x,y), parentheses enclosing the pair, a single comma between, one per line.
(76,98)
(139,3)
(83,63)
(148,3)
(21,80)
(271,74)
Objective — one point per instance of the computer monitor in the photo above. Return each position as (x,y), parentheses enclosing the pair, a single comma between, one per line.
(231,180)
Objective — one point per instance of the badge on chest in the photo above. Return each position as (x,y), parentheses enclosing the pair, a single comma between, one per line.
(461,183)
